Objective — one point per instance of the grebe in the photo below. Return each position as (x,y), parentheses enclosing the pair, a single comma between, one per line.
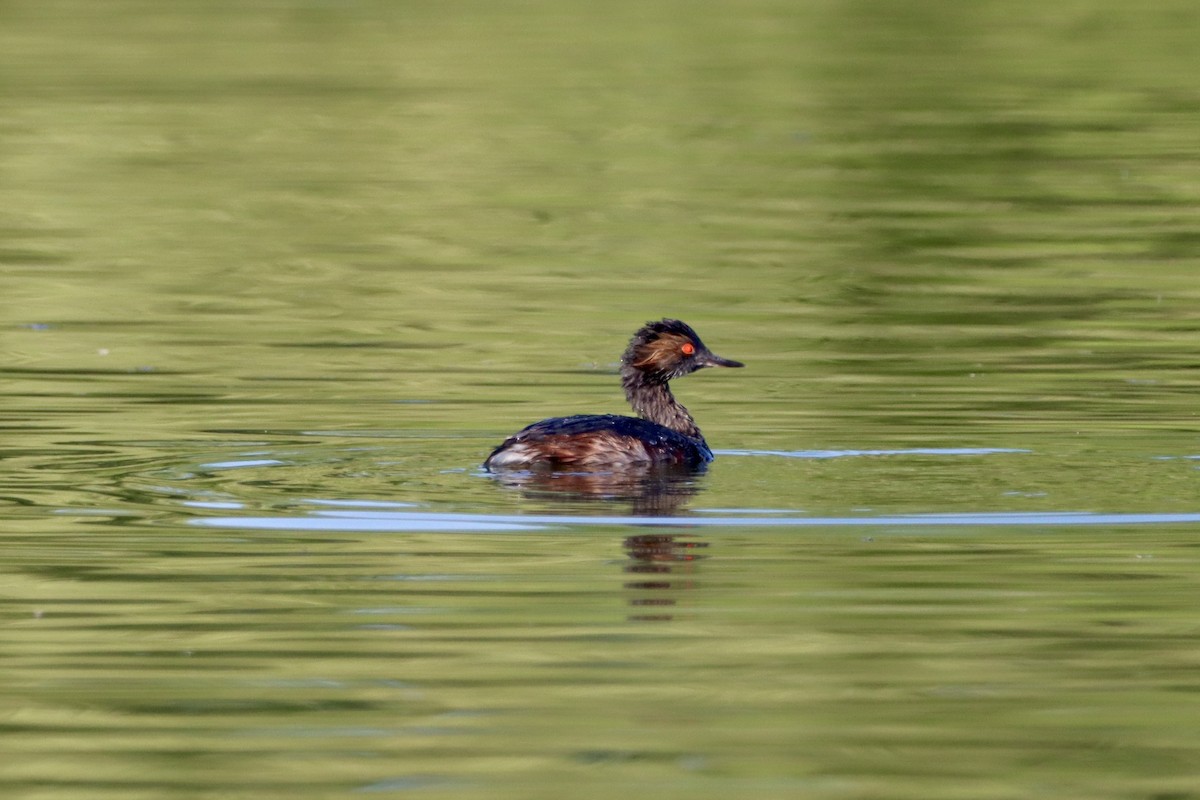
(666,432)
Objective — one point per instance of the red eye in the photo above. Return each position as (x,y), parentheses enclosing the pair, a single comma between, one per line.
(688,349)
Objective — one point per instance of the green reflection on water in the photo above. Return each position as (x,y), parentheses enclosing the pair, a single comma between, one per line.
(347,246)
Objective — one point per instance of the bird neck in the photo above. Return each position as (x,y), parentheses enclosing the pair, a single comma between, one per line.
(653,401)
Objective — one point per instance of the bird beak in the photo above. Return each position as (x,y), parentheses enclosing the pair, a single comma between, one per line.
(714,360)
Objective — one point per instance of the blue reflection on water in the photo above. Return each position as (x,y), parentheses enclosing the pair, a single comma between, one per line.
(914,451)
(374,520)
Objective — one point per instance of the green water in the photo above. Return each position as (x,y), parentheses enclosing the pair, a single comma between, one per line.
(275,277)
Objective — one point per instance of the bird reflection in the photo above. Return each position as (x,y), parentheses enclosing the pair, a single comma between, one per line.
(664,565)
(652,491)
(661,564)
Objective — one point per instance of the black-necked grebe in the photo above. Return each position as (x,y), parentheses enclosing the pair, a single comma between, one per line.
(666,432)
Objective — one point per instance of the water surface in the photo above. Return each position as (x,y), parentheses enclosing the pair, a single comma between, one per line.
(277,277)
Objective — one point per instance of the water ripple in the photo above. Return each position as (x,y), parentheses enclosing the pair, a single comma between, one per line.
(914,451)
(409,521)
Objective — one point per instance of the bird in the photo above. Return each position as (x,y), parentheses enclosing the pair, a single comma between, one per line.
(663,433)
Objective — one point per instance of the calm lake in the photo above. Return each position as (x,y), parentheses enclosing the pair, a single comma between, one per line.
(277,276)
